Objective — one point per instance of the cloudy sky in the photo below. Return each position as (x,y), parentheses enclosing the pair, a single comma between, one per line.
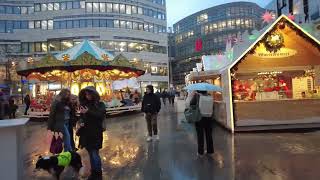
(178,9)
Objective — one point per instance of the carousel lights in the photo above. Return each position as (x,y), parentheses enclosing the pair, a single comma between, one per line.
(270,73)
(13,64)
(30,60)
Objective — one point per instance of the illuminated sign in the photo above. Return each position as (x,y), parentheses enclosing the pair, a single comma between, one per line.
(261,52)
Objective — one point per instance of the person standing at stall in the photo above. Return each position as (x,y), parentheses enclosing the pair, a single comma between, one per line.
(92,115)
(27,102)
(204,126)
(151,106)
(12,108)
(60,115)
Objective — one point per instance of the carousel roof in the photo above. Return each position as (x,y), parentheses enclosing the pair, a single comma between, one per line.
(85,46)
(85,55)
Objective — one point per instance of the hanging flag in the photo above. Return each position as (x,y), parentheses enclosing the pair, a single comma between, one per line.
(198,45)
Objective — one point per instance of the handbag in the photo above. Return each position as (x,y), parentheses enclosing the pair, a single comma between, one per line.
(56,145)
(192,114)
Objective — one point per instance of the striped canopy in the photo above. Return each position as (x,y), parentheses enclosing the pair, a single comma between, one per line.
(85,46)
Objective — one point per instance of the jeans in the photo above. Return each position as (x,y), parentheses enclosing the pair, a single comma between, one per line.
(72,143)
(66,138)
(95,159)
(27,108)
(204,126)
(152,123)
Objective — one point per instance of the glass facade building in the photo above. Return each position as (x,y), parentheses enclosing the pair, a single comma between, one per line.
(212,27)
(137,29)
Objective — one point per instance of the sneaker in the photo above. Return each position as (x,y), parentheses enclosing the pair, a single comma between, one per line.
(149,138)
(156,137)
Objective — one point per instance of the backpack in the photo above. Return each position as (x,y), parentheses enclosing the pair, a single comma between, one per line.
(206,106)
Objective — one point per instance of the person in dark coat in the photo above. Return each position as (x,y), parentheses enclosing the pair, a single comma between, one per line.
(164,96)
(92,115)
(3,106)
(60,115)
(151,106)
(73,119)
(12,108)
(27,102)
(203,127)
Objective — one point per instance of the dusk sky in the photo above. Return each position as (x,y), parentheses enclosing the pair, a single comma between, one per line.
(179,9)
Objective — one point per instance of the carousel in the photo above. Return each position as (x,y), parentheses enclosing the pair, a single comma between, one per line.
(83,65)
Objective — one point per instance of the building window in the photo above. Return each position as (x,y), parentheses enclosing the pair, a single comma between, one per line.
(122,24)
(37,25)
(69,24)
(102,7)
(202,18)
(31,24)
(63,24)
(69,5)
(24,24)
(63,6)
(56,6)
(116,8)
(140,10)
(37,7)
(24,47)
(109,7)
(146,27)
(116,23)
(83,23)
(50,6)
(76,5)
(95,7)
(122,8)
(54,45)
(141,26)
(16,24)
(44,24)
(103,23)
(2,9)
(37,46)
(129,25)
(16,10)
(24,10)
(135,25)
(128,9)
(89,22)
(96,23)
(50,24)
(76,24)
(134,10)
(82,4)
(110,23)
(66,44)
(44,7)
(88,7)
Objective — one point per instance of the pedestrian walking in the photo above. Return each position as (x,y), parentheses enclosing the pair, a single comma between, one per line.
(172,96)
(151,106)
(92,115)
(164,96)
(204,126)
(60,115)
(27,102)
(12,108)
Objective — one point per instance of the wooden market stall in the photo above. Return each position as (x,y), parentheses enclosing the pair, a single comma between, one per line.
(273,82)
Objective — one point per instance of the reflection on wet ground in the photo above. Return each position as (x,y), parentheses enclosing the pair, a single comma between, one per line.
(127,156)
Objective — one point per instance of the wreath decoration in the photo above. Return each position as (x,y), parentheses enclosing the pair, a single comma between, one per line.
(274,42)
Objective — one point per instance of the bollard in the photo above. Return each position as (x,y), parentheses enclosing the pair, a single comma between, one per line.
(11,156)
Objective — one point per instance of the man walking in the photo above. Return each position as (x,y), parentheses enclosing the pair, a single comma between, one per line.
(151,106)
(27,102)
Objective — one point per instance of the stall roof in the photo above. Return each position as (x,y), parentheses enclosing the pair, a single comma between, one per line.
(85,46)
(251,46)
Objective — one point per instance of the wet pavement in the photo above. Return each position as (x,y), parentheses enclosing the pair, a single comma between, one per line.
(245,156)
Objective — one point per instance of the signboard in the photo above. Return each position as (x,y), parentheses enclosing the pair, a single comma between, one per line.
(261,52)
(214,62)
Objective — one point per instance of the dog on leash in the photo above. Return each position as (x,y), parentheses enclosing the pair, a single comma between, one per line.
(57,163)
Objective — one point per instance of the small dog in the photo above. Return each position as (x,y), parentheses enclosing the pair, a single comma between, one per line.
(57,163)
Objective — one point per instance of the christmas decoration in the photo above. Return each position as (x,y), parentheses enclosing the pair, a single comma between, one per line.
(198,45)
(291,17)
(105,57)
(267,17)
(66,57)
(274,42)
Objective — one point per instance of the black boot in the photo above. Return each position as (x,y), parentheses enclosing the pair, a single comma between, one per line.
(95,175)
